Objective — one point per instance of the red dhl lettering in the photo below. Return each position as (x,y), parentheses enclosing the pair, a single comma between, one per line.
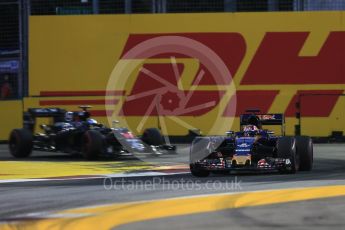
(261,99)
(314,103)
(230,47)
(276,61)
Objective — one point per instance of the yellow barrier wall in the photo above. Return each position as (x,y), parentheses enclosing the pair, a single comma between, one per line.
(271,57)
(11,117)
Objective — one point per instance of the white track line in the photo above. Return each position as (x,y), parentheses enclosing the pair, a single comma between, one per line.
(118,175)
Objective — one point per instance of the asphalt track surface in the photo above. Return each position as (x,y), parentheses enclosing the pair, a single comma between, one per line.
(31,201)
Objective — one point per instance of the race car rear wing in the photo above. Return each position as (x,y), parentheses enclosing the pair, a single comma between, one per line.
(46,112)
(29,117)
(263,119)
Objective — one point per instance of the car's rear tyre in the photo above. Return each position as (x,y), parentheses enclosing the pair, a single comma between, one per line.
(152,136)
(198,172)
(20,143)
(92,145)
(286,148)
(304,148)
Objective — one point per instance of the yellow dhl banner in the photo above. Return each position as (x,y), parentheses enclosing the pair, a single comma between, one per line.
(187,71)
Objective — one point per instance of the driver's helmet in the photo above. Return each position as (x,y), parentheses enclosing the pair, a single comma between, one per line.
(69,116)
(248,128)
(91,121)
(83,115)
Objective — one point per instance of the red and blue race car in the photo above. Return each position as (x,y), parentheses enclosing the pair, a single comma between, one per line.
(252,148)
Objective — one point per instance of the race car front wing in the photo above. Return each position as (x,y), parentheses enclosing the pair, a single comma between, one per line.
(224,164)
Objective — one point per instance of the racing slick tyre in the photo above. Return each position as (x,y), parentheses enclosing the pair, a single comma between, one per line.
(286,148)
(152,136)
(198,172)
(304,147)
(20,143)
(92,144)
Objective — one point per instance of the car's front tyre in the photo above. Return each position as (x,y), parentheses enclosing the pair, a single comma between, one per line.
(152,136)
(197,172)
